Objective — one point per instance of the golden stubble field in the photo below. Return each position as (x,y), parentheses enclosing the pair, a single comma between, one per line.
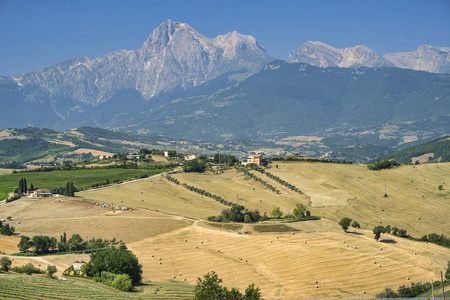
(414,201)
(164,215)
(284,266)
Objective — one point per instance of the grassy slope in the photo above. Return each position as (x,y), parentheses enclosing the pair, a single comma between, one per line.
(80,178)
(16,286)
(338,190)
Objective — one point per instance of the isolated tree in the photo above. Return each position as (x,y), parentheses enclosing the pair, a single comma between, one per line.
(51,269)
(276,212)
(378,230)
(5,263)
(25,244)
(299,211)
(345,223)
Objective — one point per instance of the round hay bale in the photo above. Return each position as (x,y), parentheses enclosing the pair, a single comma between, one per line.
(364,292)
(277,236)
(315,281)
(184,279)
(374,262)
(201,242)
(196,247)
(173,276)
(159,258)
(317,286)
(354,247)
(381,248)
(414,253)
(185,241)
(343,242)
(305,242)
(153,255)
(346,245)
(292,233)
(407,278)
(160,263)
(246,260)
(379,266)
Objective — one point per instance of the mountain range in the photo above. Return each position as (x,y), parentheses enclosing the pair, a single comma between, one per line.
(181,83)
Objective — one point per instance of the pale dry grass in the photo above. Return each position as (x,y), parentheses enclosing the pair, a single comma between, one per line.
(286,267)
(8,244)
(238,188)
(159,194)
(423,158)
(5,171)
(338,190)
(46,217)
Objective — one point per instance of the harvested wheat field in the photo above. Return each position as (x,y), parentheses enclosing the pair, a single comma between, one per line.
(414,201)
(159,194)
(284,266)
(47,217)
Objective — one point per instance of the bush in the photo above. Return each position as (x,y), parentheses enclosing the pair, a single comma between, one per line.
(355,224)
(51,269)
(28,269)
(122,282)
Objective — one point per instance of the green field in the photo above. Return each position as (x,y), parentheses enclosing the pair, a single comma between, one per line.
(18,286)
(80,178)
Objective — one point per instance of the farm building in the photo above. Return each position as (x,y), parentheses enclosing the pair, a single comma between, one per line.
(40,193)
(256,159)
(190,156)
(76,265)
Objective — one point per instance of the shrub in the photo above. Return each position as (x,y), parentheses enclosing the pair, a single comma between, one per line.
(51,269)
(355,224)
(122,282)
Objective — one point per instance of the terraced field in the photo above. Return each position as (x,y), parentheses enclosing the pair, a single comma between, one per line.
(16,286)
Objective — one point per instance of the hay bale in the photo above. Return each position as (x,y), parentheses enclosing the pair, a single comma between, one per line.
(292,233)
(185,241)
(184,279)
(317,286)
(407,278)
(379,266)
(381,248)
(159,258)
(201,242)
(374,262)
(153,255)
(354,247)
(160,263)
(346,245)
(414,253)
(315,281)
(196,247)
(364,292)
(173,276)
(305,242)
(218,250)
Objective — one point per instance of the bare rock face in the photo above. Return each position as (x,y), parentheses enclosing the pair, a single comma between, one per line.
(173,56)
(322,55)
(426,58)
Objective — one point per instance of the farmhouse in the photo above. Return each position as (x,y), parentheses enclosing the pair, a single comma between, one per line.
(40,193)
(256,159)
(190,156)
(76,265)
(166,152)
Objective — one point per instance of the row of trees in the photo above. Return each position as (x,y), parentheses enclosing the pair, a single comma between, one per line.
(410,291)
(276,178)
(237,213)
(308,159)
(300,212)
(258,179)
(210,288)
(383,164)
(200,191)
(44,244)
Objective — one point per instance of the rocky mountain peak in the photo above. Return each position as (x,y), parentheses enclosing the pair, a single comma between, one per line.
(322,55)
(426,58)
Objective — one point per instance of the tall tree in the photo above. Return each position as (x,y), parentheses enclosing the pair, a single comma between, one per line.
(345,223)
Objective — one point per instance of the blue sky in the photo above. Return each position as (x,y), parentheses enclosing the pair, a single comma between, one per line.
(36,34)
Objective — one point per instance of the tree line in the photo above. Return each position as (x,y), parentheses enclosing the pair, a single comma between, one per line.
(258,179)
(438,239)
(276,178)
(200,191)
(308,159)
(44,244)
